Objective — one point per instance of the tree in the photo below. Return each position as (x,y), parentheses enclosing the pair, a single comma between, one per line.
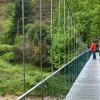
(86,14)
(17,18)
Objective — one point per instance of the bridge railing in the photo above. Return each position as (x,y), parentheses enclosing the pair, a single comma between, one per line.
(57,85)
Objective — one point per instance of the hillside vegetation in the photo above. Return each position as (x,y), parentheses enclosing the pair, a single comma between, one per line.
(11,69)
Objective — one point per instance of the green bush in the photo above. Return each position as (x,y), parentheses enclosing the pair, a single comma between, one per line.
(4,34)
(19,40)
(8,56)
(11,78)
(4,48)
(9,9)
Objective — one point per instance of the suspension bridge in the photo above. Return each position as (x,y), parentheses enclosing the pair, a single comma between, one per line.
(74,75)
(84,87)
(78,79)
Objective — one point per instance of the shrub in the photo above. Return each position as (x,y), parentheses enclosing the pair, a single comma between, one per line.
(10,56)
(18,40)
(4,48)
(32,45)
(9,9)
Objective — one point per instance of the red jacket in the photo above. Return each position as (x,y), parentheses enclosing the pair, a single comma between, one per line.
(93,47)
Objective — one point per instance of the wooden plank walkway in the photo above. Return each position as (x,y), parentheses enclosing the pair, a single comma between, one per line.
(87,85)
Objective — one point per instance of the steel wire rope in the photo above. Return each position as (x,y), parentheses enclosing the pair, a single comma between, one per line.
(51,33)
(41,49)
(64,31)
(71,48)
(23,31)
(59,31)
(17,26)
(51,54)
(68,46)
(76,49)
(59,47)
(74,52)
(64,45)
(77,60)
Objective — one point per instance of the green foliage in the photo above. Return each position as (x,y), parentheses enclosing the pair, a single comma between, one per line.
(32,45)
(8,56)
(11,77)
(9,9)
(4,37)
(63,43)
(86,14)
(19,40)
(17,18)
(5,48)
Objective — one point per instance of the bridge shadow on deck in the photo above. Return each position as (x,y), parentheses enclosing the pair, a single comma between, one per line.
(87,85)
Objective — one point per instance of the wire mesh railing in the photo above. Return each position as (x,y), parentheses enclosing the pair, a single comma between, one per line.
(60,81)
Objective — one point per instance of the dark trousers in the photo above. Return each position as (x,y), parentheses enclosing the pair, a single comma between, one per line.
(94,55)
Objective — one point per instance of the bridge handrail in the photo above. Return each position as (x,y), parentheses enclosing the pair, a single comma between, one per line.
(54,73)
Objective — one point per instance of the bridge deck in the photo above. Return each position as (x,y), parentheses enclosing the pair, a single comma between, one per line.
(87,85)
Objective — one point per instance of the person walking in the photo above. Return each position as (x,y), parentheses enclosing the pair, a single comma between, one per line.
(93,49)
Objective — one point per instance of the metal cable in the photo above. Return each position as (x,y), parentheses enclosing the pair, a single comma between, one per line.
(23,30)
(71,51)
(74,53)
(65,79)
(59,32)
(64,32)
(59,45)
(68,46)
(51,33)
(41,56)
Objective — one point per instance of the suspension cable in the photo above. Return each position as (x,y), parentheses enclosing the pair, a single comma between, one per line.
(41,36)
(51,34)
(59,45)
(41,50)
(74,52)
(59,31)
(68,45)
(64,32)
(23,25)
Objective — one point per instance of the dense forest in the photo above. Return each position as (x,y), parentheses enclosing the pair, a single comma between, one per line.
(85,14)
